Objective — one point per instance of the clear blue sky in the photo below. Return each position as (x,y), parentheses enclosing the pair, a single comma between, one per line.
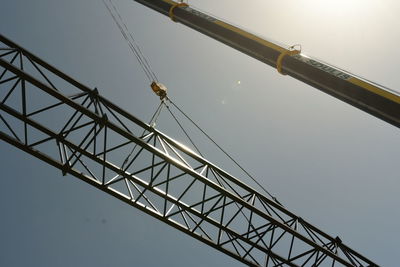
(328,162)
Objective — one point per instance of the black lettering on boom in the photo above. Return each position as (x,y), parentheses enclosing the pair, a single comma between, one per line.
(199,14)
(323,67)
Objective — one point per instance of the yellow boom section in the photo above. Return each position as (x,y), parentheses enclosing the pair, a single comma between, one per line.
(367,96)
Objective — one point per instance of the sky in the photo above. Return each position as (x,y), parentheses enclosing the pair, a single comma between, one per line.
(328,162)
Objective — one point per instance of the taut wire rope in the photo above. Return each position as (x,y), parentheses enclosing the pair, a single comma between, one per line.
(131,41)
(143,62)
(222,150)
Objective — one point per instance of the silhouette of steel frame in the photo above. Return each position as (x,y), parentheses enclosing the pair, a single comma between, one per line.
(161,177)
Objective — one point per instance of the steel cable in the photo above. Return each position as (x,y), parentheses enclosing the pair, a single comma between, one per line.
(223,151)
(128,36)
(153,120)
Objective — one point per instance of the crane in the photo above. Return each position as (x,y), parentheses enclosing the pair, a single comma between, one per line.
(283,61)
(372,98)
(164,178)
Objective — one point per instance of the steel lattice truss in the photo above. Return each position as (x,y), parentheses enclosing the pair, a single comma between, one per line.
(62,122)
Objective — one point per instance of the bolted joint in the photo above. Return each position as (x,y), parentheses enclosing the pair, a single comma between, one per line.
(60,137)
(64,169)
(94,93)
(103,121)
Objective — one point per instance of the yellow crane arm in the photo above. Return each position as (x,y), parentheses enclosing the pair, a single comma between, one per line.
(365,95)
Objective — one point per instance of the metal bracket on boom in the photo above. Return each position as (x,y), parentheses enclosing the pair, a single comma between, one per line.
(171,10)
(289,52)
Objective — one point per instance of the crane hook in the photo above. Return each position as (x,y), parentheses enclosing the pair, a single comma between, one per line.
(159,89)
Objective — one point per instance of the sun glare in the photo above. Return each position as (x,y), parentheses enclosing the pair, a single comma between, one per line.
(344,9)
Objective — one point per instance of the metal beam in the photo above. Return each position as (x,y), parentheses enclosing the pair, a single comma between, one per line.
(372,98)
(162,177)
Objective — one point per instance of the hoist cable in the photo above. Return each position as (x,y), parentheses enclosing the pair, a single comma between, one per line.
(223,151)
(183,129)
(157,114)
(134,47)
(130,44)
(153,120)
(218,180)
(124,34)
(152,77)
